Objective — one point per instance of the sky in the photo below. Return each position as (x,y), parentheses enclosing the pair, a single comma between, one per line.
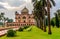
(10,6)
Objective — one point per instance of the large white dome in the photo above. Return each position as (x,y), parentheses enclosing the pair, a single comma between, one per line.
(25,10)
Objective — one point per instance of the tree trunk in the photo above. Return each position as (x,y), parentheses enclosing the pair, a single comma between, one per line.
(37,23)
(48,12)
(4,23)
(41,22)
(43,18)
(44,26)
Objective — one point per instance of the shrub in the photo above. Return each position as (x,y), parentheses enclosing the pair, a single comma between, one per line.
(20,29)
(25,27)
(30,29)
(11,33)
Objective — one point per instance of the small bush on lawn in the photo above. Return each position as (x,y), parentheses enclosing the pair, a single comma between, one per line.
(25,27)
(30,29)
(11,33)
(20,29)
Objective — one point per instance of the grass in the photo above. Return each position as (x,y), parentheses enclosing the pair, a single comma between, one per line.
(36,33)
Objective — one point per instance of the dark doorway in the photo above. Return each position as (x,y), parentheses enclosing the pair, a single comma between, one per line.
(24,21)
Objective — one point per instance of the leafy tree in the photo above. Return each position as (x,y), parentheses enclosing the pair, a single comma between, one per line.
(52,23)
(10,20)
(1,23)
(58,13)
(57,20)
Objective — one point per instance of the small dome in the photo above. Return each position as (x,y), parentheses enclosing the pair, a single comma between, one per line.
(25,10)
(16,13)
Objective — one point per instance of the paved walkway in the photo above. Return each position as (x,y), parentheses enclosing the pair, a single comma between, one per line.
(3,32)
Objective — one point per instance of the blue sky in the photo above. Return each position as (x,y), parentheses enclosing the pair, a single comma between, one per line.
(10,6)
(53,9)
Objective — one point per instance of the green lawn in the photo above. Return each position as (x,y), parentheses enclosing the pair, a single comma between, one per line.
(36,33)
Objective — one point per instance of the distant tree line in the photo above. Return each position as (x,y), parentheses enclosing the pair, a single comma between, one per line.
(55,21)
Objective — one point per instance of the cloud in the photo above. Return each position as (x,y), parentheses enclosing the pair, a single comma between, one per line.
(54,9)
(2,7)
(30,7)
(6,5)
(2,0)
(28,1)
(18,5)
(14,3)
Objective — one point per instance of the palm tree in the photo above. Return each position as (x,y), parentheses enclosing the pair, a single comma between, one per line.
(48,5)
(2,14)
(36,18)
(0,17)
(43,2)
(41,6)
(58,12)
(5,19)
(48,12)
(38,13)
(57,20)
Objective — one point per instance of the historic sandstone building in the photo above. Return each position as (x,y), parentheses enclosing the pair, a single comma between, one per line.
(23,19)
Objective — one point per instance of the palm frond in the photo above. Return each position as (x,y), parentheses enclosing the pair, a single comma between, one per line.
(53,2)
(33,0)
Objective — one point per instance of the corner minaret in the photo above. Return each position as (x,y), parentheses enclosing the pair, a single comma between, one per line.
(16,16)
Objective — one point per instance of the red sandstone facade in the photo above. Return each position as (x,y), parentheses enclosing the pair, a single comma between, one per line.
(23,19)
